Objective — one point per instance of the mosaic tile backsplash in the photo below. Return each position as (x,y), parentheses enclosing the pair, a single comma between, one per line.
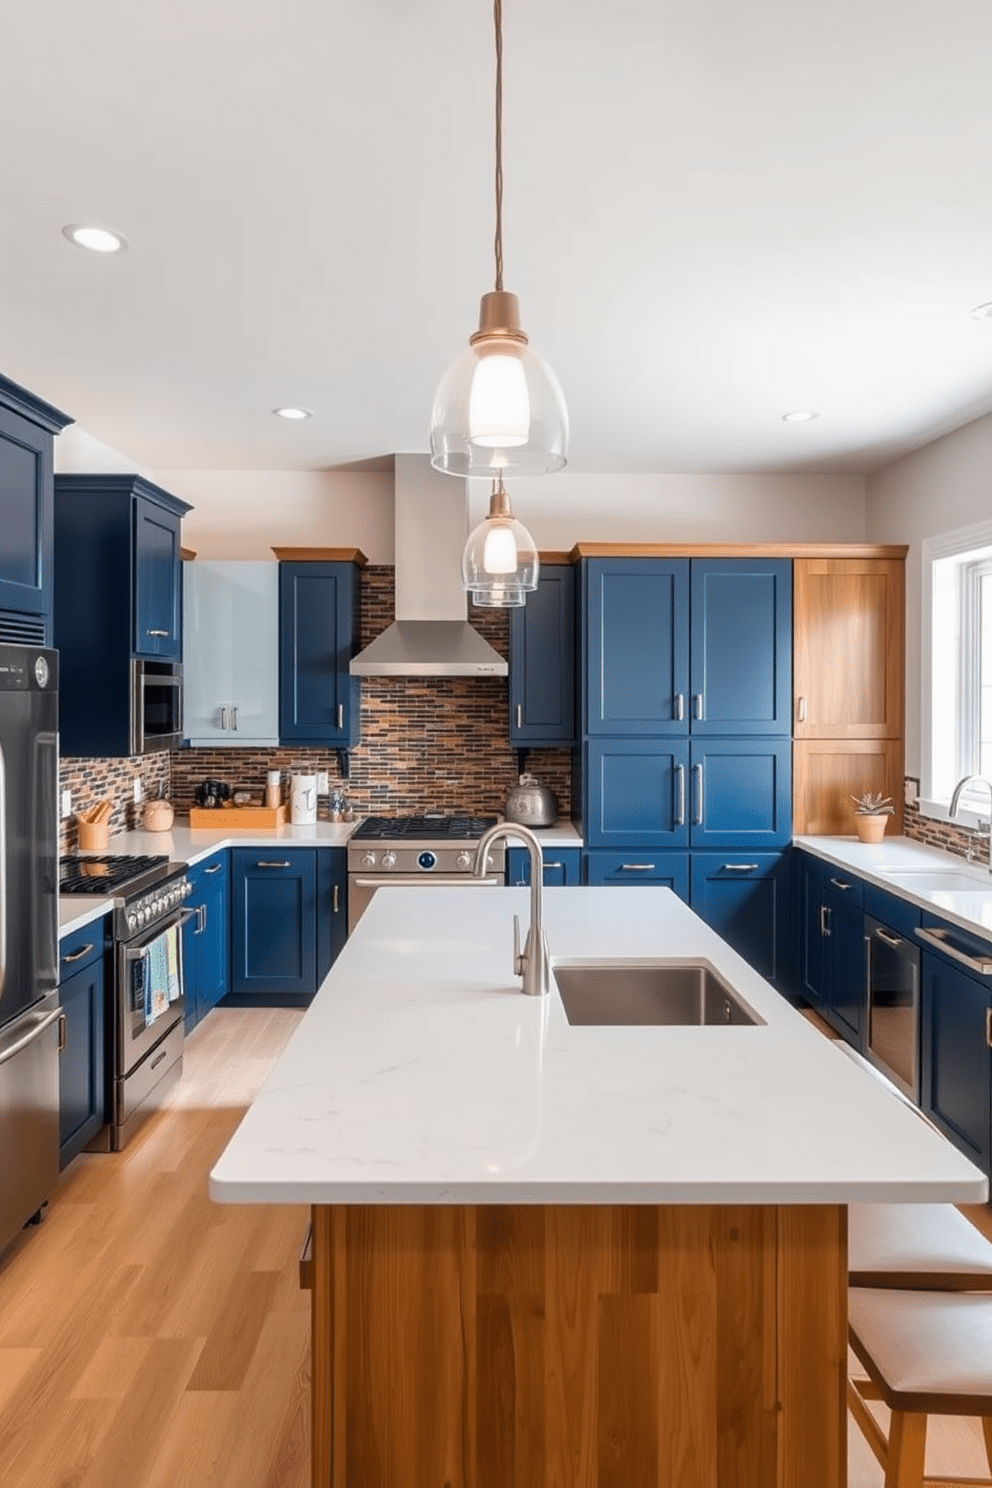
(432,742)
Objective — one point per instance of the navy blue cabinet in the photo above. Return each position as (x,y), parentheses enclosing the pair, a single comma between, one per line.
(542,662)
(27,427)
(319,701)
(274,924)
(332,907)
(636,792)
(207,937)
(740,792)
(82,1064)
(634,869)
(117,605)
(811,913)
(562,867)
(635,615)
(956,1062)
(745,899)
(741,646)
(832,955)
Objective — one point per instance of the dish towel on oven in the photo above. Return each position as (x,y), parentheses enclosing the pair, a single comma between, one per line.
(162,979)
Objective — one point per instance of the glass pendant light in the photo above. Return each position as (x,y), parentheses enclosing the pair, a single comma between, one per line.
(498,409)
(500,563)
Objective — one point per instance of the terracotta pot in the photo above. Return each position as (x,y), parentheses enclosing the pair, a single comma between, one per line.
(871,828)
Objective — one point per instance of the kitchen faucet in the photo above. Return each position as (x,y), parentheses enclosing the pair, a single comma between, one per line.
(533,963)
(980,780)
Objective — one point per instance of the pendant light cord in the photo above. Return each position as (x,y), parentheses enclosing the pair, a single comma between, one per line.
(498,24)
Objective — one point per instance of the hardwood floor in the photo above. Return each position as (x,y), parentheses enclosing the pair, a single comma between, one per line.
(152,1339)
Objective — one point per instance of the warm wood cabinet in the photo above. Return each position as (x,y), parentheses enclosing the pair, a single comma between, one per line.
(848,648)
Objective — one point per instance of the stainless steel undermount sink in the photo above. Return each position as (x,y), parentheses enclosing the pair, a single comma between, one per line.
(940,880)
(627,993)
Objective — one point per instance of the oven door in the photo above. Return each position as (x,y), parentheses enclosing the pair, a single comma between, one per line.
(156,706)
(361,886)
(150,989)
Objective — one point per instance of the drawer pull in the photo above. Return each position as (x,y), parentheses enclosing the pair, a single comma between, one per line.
(163,634)
(215,869)
(839,883)
(739,867)
(554,865)
(938,938)
(284,864)
(78,955)
(890,940)
(637,867)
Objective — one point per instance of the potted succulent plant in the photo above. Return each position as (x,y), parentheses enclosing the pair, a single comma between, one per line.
(871,813)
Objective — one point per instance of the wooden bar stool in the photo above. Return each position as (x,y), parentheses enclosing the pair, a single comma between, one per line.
(926,1247)
(926,1354)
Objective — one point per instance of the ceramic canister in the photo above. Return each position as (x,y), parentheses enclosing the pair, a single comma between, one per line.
(303,800)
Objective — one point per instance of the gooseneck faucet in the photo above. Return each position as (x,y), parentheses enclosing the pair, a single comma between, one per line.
(974,780)
(533,963)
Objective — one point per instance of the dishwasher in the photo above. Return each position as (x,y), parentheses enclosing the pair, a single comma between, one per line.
(892,973)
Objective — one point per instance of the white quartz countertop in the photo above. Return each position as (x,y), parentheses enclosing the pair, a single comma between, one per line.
(421,1074)
(905,867)
(77,910)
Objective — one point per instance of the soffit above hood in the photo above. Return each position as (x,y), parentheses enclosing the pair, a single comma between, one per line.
(431,636)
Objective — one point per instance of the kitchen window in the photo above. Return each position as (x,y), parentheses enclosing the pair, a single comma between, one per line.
(957,669)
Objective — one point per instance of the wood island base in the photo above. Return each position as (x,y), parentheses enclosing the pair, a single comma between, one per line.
(544,1346)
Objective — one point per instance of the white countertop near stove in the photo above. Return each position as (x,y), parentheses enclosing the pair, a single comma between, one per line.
(421,1074)
(876,862)
(77,910)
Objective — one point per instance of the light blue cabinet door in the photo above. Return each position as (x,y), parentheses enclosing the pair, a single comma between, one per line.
(636,646)
(231,655)
(741,646)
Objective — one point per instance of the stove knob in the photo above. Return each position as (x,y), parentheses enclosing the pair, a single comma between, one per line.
(185,888)
(464,860)
(389,860)
(132,920)
(141,916)
(368,861)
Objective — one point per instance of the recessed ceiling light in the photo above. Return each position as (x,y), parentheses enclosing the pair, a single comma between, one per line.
(96,239)
(800,416)
(982,312)
(293,413)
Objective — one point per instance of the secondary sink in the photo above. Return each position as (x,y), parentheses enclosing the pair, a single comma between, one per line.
(939,880)
(622,993)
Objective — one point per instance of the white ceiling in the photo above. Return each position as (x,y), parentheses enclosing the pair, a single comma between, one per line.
(715,212)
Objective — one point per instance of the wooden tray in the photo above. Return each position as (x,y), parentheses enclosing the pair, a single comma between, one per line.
(224,818)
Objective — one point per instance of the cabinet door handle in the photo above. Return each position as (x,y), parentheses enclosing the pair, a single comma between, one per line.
(636,867)
(201,919)
(697,704)
(981,964)
(336,900)
(284,864)
(340,715)
(679,818)
(739,867)
(988,1026)
(890,940)
(163,633)
(839,883)
(697,772)
(223,718)
(801,710)
(215,869)
(78,955)
(234,719)
(679,706)
(824,927)
(520,715)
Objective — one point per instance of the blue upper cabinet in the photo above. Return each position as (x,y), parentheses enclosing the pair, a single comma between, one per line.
(740,792)
(542,662)
(27,427)
(636,616)
(741,646)
(157,580)
(637,793)
(319,700)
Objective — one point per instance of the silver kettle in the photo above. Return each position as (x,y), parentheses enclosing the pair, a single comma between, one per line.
(531,804)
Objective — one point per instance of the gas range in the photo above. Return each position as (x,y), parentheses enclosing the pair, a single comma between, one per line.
(144,889)
(406,851)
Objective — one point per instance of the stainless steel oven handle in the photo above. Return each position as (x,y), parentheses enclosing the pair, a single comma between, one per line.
(3,873)
(981,964)
(418,880)
(176,921)
(29,1038)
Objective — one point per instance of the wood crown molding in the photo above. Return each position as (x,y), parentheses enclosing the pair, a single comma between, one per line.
(321,555)
(737,550)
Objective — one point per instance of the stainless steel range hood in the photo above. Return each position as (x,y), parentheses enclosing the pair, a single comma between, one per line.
(431,636)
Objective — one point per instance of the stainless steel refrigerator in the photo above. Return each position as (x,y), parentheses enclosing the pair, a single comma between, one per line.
(30,1019)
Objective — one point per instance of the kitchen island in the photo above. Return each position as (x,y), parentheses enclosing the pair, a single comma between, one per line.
(547,1254)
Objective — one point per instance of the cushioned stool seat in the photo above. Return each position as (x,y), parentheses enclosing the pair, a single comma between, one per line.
(927,1246)
(926,1353)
